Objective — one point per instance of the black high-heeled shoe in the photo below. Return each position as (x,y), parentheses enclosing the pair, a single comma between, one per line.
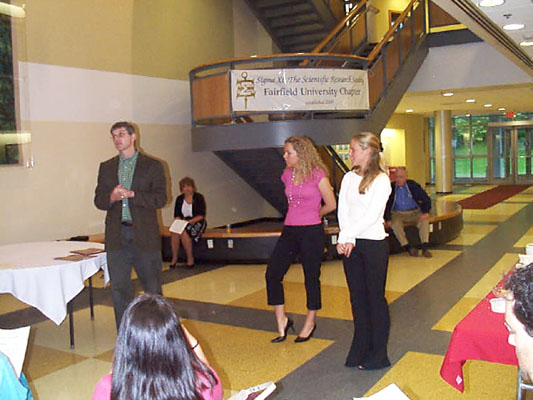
(290,324)
(301,339)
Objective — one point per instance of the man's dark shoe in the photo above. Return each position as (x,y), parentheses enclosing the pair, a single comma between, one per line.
(426,253)
(413,252)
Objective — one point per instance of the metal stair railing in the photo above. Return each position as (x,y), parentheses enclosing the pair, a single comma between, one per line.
(383,63)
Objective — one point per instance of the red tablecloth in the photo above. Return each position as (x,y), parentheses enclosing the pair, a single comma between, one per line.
(481,335)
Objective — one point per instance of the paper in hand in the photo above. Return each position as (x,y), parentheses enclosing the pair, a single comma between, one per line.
(178,226)
(13,343)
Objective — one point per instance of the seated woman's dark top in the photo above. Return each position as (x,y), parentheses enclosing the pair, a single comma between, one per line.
(195,229)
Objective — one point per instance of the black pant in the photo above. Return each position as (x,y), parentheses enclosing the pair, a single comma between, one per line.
(307,242)
(366,272)
(147,264)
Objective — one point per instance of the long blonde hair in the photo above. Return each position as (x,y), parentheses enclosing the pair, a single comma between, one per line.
(308,158)
(375,164)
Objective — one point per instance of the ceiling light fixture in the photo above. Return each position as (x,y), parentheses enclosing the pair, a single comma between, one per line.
(12,10)
(501,109)
(491,3)
(526,43)
(487,105)
(467,115)
(513,27)
(470,100)
(409,111)
(447,94)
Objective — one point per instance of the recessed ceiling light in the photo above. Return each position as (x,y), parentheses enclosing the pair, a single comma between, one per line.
(447,94)
(487,105)
(501,109)
(409,111)
(491,3)
(470,100)
(513,27)
(527,43)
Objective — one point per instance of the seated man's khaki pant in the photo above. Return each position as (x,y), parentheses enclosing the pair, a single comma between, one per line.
(411,217)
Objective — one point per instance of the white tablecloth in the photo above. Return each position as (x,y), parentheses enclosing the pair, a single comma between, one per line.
(29,272)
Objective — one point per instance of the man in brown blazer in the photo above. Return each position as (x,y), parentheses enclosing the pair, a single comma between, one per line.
(131,187)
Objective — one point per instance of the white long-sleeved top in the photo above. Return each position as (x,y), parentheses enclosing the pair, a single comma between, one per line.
(361,215)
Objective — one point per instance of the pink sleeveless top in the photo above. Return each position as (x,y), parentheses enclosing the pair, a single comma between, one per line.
(304,200)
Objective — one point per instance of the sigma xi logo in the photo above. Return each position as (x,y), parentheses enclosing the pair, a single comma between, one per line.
(245,88)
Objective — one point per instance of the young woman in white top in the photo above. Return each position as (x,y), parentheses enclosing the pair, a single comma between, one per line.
(362,240)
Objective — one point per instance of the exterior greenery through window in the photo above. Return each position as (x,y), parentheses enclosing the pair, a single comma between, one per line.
(469,145)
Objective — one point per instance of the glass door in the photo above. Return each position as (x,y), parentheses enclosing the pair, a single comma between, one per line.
(524,138)
(510,153)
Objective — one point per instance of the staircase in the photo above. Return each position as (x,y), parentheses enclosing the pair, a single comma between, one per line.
(261,169)
(297,25)
(250,142)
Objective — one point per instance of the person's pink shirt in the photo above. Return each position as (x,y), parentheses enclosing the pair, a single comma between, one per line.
(103,388)
(304,200)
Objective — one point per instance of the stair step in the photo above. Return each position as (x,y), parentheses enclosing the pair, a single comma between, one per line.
(307,48)
(299,30)
(314,38)
(297,20)
(275,3)
(280,12)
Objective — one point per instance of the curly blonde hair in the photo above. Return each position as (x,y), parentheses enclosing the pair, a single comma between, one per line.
(308,158)
(375,164)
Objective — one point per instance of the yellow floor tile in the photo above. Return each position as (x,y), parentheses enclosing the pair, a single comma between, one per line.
(264,361)
(471,234)
(9,303)
(476,293)
(406,272)
(453,197)
(417,375)
(476,189)
(497,213)
(220,286)
(91,337)
(41,361)
(520,198)
(527,238)
(76,382)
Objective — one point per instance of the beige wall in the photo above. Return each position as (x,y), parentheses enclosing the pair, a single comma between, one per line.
(85,64)
(415,144)
(379,23)
(163,38)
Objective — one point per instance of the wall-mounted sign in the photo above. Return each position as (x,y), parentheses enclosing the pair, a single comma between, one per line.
(302,89)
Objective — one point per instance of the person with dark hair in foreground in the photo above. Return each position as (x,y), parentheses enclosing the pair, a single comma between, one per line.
(519,317)
(157,358)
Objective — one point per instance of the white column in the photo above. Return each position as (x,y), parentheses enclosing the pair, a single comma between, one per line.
(443,152)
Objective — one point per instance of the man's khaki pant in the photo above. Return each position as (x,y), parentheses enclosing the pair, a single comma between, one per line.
(411,217)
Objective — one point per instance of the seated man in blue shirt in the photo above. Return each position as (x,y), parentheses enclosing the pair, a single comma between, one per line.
(408,204)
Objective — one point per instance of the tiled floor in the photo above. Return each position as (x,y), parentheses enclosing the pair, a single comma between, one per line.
(225,307)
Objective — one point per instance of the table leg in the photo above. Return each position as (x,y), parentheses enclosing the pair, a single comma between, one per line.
(91,301)
(71,323)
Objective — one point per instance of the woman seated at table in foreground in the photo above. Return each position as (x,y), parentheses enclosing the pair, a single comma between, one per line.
(190,206)
(519,317)
(157,358)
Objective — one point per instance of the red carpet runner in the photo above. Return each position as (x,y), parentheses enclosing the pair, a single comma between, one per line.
(487,199)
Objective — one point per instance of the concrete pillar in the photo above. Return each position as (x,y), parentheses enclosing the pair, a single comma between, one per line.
(443,152)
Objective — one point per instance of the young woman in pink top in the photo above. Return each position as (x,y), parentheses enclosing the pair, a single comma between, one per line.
(310,197)
(157,358)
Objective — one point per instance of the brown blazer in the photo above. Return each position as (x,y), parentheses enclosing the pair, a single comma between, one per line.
(150,187)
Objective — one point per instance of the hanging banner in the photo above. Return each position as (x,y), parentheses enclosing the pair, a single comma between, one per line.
(302,89)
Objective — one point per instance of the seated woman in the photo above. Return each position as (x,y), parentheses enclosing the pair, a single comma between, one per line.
(157,358)
(190,206)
